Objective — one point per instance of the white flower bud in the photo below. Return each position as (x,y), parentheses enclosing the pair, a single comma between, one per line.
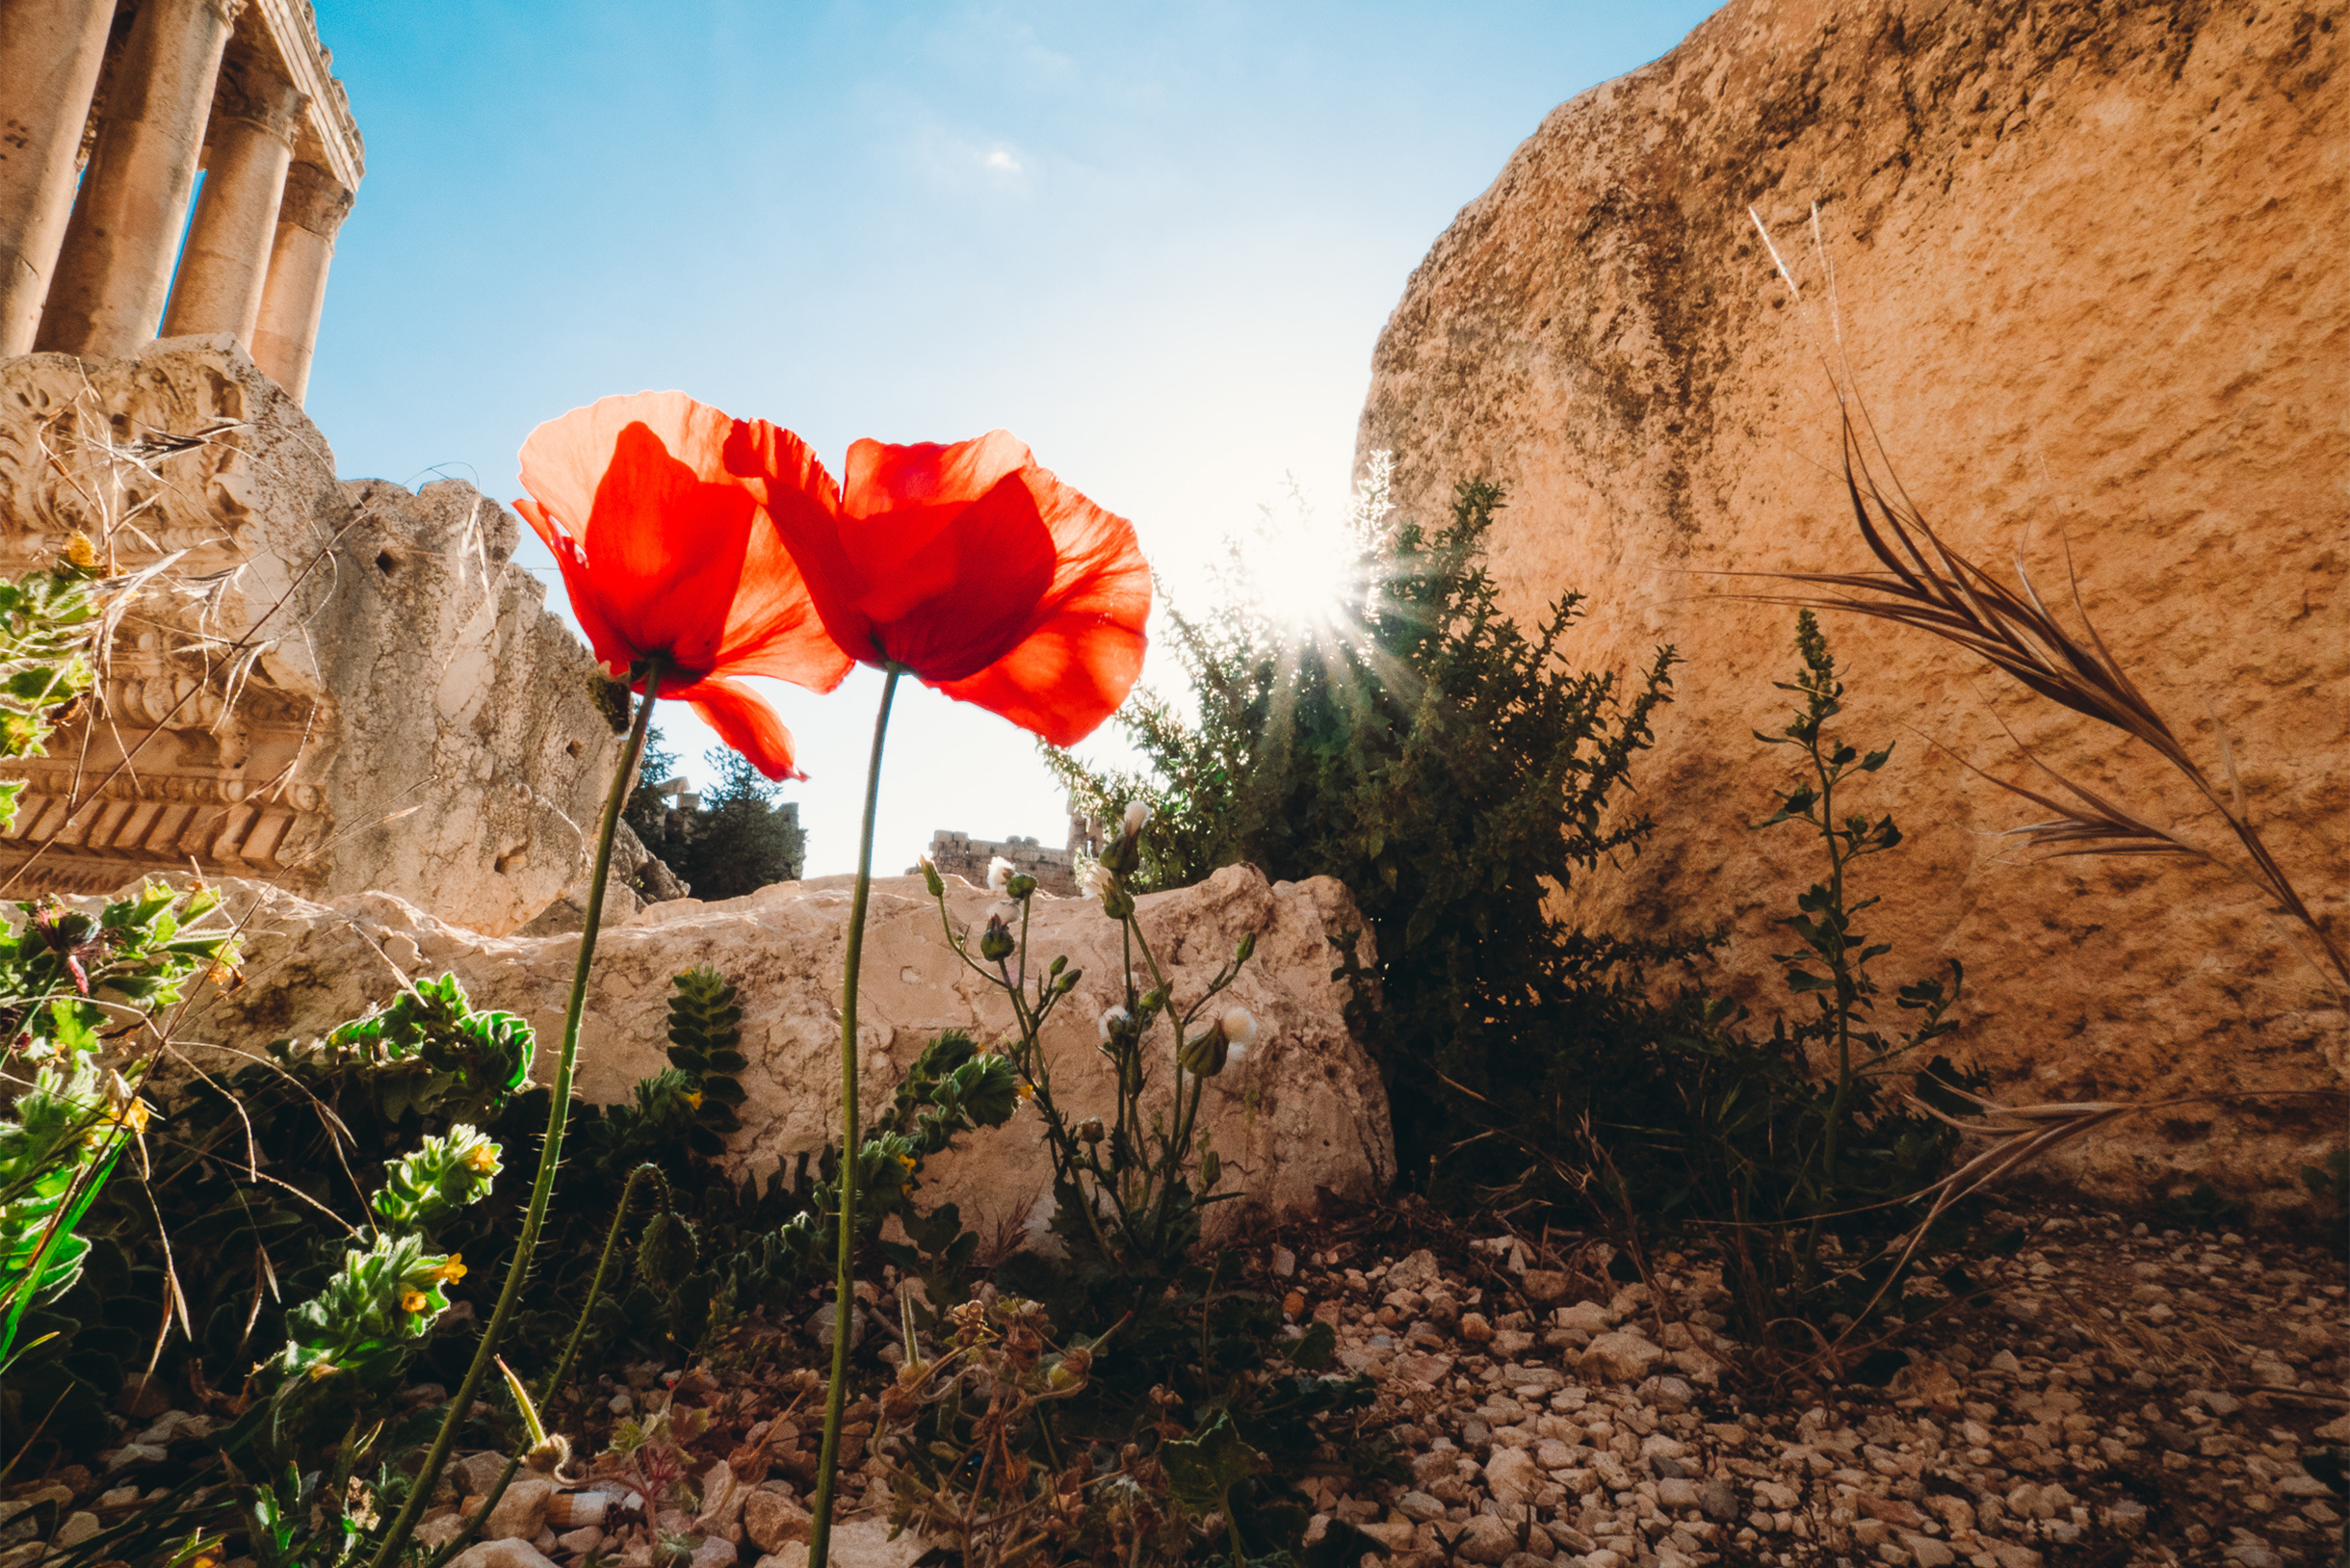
(1137,814)
(1115,1019)
(999,873)
(1094,880)
(1239,1028)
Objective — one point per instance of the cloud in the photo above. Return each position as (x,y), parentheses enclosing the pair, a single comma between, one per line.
(1002,162)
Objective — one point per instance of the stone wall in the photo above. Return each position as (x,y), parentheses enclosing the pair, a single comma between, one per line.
(1303,1114)
(2089,280)
(959,855)
(335,686)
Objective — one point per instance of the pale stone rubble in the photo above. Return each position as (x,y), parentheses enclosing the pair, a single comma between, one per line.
(1304,1116)
(1545,1429)
(2089,288)
(1543,1426)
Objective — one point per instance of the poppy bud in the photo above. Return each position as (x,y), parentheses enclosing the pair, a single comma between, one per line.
(930,874)
(1204,1057)
(1210,1170)
(1089,1131)
(1248,945)
(1020,885)
(996,941)
(1068,982)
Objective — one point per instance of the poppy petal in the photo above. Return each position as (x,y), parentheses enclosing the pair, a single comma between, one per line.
(1082,650)
(580,587)
(746,722)
(664,499)
(1063,680)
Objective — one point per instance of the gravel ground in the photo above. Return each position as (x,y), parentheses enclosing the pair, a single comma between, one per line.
(2111,1394)
(2108,1395)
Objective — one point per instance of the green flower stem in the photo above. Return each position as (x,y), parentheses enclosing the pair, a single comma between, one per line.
(550,1154)
(562,1367)
(845,1296)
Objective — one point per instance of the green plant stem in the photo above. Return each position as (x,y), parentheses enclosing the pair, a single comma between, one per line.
(550,1154)
(563,1367)
(844,1298)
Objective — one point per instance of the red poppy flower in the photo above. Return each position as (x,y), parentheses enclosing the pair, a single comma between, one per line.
(983,575)
(656,508)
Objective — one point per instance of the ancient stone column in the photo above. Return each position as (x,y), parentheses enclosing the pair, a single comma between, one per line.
(115,270)
(315,205)
(256,112)
(50,53)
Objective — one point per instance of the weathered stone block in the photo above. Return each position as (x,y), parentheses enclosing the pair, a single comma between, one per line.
(335,686)
(1303,1113)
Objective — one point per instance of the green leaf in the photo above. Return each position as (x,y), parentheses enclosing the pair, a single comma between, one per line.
(1201,1470)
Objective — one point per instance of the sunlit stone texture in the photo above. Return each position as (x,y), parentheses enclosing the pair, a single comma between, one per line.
(256,114)
(50,51)
(2090,281)
(115,271)
(137,97)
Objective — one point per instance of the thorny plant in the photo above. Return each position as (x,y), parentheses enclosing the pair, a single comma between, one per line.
(1128,1191)
(956,1432)
(321,1430)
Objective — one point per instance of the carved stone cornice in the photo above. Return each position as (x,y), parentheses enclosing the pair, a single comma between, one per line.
(251,90)
(331,134)
(314,199)
(155,452)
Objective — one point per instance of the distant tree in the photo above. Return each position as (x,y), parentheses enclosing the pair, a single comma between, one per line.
(738,839)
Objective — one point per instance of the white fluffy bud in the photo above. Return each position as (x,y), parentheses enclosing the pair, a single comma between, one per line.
(1239,1028)
(1137,815)
(999,873)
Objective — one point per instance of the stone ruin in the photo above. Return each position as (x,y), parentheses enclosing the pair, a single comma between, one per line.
(959,855)
(329,686)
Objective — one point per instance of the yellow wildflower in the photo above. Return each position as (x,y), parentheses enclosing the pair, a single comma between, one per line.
(907,1161)
(80,553)
(693,1098)
(414,1301)
(483,1159)
(1028,1092)
(451,1271)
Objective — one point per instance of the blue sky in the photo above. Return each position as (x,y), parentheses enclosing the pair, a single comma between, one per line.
(1156,241)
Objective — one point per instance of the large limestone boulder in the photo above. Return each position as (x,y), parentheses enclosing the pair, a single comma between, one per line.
(2089,279)
(335,686)
(1303,1114)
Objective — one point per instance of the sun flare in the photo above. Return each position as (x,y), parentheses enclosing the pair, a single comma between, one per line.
(1304,571)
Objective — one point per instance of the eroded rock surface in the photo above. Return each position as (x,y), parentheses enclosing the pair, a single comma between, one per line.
(336,686)
(2093,291)
(1302,1113)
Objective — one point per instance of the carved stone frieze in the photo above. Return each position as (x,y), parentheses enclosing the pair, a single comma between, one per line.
(335,688)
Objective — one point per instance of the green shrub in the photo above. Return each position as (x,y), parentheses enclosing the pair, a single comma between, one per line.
(736,841)
(1457,774)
